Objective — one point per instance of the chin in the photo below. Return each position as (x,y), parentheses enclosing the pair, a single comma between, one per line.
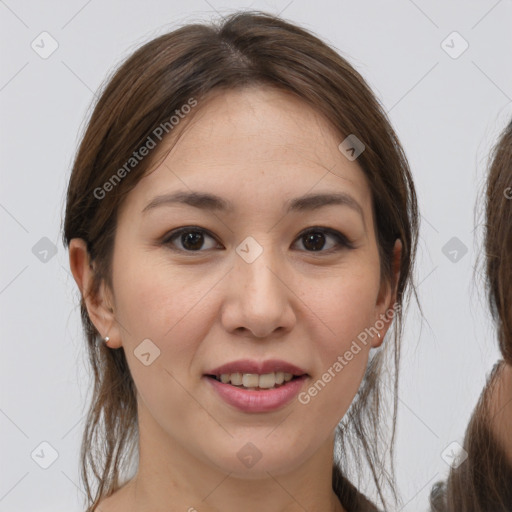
(252,463)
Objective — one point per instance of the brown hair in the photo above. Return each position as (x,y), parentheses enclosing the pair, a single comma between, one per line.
(483,483)
(196,61)
(498,240)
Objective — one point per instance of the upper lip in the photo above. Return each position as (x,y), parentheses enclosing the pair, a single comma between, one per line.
(259,367)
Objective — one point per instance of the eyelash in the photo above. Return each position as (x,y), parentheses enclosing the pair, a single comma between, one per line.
(342,241)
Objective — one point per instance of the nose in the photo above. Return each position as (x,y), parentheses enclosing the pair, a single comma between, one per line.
(259,300)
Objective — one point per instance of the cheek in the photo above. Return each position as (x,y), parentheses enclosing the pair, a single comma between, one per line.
(157,302)
(156,299)
(343,342)
(346,308)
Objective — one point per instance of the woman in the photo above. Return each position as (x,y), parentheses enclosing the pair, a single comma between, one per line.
(483,482)
(242,224)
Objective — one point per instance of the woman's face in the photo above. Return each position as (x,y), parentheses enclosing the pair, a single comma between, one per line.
(263,272)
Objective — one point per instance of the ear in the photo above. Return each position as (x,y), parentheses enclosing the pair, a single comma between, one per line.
(385,306)
(100,306)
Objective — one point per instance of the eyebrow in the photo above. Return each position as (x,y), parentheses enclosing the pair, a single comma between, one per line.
(207,201)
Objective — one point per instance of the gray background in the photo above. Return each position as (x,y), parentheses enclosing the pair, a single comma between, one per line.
(447,112)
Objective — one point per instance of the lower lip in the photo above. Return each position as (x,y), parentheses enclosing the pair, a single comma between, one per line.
(248,400)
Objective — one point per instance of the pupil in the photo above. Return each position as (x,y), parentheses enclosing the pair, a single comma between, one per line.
(317,243)
(194,237)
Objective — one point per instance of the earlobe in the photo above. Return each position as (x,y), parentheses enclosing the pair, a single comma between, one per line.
(99,308)
(379,343)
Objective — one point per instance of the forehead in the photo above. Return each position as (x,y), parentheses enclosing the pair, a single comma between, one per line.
(254,141)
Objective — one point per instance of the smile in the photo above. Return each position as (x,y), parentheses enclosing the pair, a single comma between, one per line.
(255,381)
(257,399)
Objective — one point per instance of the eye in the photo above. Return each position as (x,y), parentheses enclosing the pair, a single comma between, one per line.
(190,237)
(314,240)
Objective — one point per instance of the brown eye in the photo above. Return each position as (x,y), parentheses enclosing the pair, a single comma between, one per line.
(314,240)
(194,239)
(191,239)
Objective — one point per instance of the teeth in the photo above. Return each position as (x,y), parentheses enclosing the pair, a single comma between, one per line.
(250,380)
(267,380)
(236,379)
(253,380)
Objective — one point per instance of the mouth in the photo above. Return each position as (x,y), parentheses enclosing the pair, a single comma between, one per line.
(256,393)
(256,382)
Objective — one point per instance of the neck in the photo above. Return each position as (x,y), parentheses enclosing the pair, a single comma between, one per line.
(168,475)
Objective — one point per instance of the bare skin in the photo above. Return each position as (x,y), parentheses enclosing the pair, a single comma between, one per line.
(258,149)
